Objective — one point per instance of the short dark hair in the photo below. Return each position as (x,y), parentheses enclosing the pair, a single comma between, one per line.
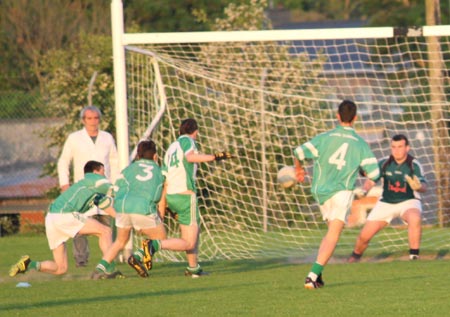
(146,149)
(188,126)
(92,166)
(399,137)
(347,111)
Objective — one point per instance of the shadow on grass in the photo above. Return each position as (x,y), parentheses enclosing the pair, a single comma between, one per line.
(108,298)
(441,254)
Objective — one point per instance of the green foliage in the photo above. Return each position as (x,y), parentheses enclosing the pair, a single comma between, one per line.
(376,13)
(280,78)
(241,74)
(29,29)
(67,76)
(394,13)
(9,224)
(171,16)
(247,15)
(21,105)
(33,228)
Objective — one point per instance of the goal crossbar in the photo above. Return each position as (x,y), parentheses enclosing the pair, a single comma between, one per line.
(282,35)
(260,94)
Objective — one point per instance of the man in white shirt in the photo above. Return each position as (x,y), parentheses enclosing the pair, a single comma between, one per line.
(89,143)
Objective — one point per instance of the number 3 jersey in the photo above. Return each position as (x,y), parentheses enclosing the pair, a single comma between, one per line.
(139,188)
(338,155)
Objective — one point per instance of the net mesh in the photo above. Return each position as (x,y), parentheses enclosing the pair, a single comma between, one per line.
(261,99)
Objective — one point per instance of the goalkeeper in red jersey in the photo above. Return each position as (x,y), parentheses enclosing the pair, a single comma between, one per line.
(403,182)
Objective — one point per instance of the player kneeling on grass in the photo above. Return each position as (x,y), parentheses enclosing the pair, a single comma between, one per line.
(65,219)
(403,181)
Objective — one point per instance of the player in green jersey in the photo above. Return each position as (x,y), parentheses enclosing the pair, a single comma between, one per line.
(138,191)
(65,219)
(338,156)
(403,181)
(180,168)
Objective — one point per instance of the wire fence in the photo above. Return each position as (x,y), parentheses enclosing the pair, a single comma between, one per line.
(24,151)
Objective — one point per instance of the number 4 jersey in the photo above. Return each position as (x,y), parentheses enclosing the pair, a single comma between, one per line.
(338,155)
(180,174)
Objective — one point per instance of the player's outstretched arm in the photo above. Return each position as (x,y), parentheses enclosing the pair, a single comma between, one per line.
(368,184)
(192,157)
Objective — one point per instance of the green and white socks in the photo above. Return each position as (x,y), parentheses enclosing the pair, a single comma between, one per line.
(316,270)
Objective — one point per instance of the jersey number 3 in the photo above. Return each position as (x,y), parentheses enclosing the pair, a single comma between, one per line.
(338,157)
(148,174)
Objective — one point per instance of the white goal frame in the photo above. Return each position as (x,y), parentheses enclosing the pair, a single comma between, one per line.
(123,41)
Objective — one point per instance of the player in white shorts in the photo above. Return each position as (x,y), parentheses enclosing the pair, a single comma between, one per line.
(138,190)
(403,181)
(65,219)
(338,155)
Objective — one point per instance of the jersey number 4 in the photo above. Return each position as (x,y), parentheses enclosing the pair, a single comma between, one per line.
(338,157)
(174,161)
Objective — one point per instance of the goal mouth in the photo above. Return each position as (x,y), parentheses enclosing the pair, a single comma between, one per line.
(259,94)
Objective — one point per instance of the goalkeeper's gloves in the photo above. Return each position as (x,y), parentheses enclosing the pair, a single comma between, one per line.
(413,182)
(219,156)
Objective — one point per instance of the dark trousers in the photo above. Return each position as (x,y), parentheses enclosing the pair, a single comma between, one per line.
(81,244)
(81,250)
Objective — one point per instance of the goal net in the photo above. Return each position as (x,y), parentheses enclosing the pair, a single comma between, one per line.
(260,94)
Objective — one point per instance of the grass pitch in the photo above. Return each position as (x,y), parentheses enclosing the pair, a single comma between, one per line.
(234,288)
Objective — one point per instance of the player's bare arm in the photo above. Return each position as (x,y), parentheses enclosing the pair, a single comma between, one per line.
(193,157)
(368,184)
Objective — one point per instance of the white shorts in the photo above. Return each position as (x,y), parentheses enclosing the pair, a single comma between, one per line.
(338,206)
(94,211)
(137,221)
(60,227)
(383,211)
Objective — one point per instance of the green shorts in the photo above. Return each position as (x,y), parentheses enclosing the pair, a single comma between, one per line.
(185,205)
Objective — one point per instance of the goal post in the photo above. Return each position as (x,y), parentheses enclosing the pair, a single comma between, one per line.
(260,94)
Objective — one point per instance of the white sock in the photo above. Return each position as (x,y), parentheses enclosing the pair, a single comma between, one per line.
(312,276)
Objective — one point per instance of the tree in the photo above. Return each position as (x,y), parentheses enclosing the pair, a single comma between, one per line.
(66,81)
(32,28)
(171,16)
(265,76)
